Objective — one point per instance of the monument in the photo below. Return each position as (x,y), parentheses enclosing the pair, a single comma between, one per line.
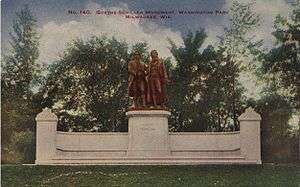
(148,123)
(148,140)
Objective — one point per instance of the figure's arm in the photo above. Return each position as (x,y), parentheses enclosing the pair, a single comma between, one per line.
(131,69)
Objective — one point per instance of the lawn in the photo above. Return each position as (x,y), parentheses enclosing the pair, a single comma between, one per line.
(231,175)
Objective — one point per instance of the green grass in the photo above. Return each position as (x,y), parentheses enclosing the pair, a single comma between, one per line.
(232,175)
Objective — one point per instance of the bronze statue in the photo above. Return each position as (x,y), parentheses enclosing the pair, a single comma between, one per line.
(157,79)
(137,86)
(147,82)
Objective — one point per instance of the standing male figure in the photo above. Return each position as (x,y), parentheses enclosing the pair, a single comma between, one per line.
(157,79)
(137,86)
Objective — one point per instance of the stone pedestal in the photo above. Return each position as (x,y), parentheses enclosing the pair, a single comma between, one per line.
(148,133)
(250,135)
(46,123)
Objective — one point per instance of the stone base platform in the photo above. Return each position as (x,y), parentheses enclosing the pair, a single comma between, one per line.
(148,161)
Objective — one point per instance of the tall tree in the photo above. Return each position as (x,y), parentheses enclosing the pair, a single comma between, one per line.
(87,87)
(283,61)
(184,90)
(207,92)
(218,94)
(281,67)
(20,70)
(237,44)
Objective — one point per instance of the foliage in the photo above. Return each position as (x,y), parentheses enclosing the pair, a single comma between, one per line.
(206,93)
(143,49)
(238,44)
(21,148)
(280,71)
(87,86)
(201,93)
(222,93)
(283,61)
(275,110)
(20,73)
(236,47)
(183,89)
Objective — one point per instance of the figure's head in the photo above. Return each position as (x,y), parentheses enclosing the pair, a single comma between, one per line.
(154,54)
(136,55)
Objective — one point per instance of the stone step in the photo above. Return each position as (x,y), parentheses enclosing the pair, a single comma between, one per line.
(151,158)
(147,161)
(166,161)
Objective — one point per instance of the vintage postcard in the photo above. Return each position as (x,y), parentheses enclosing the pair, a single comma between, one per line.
(150,93)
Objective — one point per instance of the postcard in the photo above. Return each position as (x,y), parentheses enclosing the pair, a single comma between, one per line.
(209,83)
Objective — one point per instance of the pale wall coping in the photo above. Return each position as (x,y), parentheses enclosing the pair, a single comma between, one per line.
(84,149)
(249,115)
(92,133)
(46,115)
(204,133)
(126,133)
(148,113)
(206,150)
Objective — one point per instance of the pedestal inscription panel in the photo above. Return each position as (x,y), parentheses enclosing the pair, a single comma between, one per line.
(148,133)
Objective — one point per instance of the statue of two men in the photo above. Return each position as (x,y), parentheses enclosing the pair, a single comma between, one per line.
(147,82)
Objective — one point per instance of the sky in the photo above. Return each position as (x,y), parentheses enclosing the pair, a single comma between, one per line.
(57,27)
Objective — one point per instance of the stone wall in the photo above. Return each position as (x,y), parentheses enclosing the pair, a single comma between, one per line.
(205,143)
(241,147)
(92,144)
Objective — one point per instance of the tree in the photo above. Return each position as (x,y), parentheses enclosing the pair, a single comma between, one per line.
(275,110)
(206,92)
(219,93)
(283,61)
(143,49)
(237,45)
(281,70)
(87,87)
(183,89)
(20,72)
